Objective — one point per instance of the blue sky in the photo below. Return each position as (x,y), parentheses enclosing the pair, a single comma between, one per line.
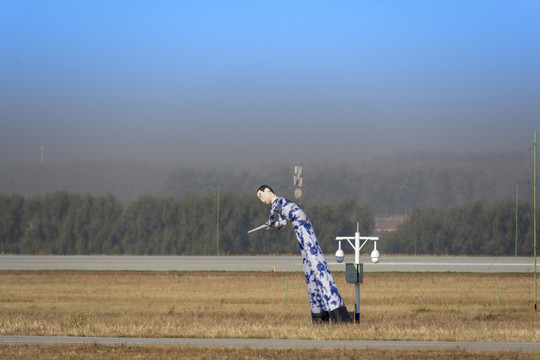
(245,81)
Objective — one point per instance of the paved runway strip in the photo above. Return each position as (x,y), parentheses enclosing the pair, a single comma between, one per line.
(272,343)
(480,264)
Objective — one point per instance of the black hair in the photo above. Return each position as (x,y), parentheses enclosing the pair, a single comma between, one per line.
(263,187)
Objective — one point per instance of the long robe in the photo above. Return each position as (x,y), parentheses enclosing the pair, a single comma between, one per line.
(322,290)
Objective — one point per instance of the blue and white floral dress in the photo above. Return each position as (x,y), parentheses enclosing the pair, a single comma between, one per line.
(322,290)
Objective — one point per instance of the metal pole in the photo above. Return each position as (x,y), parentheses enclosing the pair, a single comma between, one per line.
(357,263)
(357,303)
(357,248)
(534,221)
(217,226)
(517,187)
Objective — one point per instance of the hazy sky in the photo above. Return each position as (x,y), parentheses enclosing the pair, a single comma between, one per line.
(239,81)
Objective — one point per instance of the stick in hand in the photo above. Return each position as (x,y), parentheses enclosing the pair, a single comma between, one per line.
(264,226)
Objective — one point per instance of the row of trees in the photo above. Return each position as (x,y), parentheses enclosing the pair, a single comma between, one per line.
(67,223)
(477,228)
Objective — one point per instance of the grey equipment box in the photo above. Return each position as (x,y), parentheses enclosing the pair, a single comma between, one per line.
(354,274)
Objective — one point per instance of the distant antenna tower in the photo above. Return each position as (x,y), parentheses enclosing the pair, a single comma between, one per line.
(297,178)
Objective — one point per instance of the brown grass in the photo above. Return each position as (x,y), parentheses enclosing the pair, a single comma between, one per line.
(96,351)
(394,306)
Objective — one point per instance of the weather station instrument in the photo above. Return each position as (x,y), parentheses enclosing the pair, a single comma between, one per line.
(354,272)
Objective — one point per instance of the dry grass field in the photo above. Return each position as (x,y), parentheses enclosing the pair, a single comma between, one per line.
(394,306)
(101,352)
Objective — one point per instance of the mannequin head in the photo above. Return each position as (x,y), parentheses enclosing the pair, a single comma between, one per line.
(266,194)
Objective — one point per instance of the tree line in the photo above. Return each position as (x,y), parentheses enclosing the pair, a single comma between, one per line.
(68,223)
(476,228)
(81,224)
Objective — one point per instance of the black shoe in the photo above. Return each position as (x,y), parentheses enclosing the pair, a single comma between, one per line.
(340,315)
(320,318)
(325,317)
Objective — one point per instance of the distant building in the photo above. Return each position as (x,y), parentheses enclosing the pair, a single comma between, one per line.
(388,224)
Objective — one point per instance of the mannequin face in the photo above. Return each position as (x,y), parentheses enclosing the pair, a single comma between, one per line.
(266,196)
